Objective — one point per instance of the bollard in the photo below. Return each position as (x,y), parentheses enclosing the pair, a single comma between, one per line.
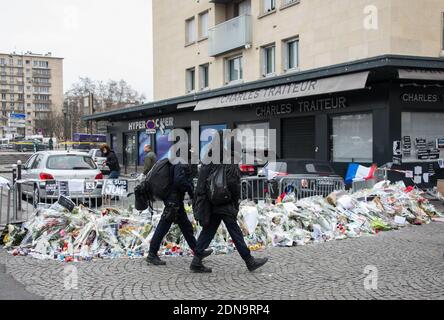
(14,191)
(19,187)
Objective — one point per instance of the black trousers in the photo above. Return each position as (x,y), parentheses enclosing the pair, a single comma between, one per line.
(164,226)
(234,230)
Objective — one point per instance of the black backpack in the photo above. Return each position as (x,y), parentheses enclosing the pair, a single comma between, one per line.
(159,180)
(217,187)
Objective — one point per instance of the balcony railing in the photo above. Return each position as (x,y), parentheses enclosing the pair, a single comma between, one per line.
(229,35)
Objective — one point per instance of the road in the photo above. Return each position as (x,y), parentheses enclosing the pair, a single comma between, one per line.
(404,264)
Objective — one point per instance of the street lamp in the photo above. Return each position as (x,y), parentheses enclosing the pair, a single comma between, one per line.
(65,128)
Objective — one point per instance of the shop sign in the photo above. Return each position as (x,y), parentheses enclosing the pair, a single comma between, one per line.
(317,105)
(152,125)
(420,97)
(295,90)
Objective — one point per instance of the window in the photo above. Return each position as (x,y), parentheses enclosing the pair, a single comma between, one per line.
(424,133)
(204,76)
(21,96)
(234,69)
(12,96)
(41,64)
(203,25)
(288,2)
(190,79)
(291,54)
(190,32)
(268,60)
(269,5)
(442,30)
(3,96)
(20,63)
(2,62)
(352,138)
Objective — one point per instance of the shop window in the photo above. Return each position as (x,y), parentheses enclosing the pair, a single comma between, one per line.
(214,128)
(352,138)
(162,144)
(260,130)
(422,136)
(144,139)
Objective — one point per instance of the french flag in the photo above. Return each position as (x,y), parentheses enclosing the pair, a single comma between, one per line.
(357,172)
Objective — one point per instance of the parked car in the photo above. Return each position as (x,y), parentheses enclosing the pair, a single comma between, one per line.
(30,146)
(306,177)
(44,170)
(99,159)
(251,169)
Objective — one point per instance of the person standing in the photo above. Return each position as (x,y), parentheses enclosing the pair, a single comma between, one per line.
(210,216)
(51,144)
(149,160)
(174,212)
(111,161)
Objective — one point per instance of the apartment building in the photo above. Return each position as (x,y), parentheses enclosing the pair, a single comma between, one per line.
(31,87)
(338,80)
(200,45)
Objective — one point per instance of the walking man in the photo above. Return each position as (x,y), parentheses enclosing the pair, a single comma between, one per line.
(210,215)
(174,212)
(149,160)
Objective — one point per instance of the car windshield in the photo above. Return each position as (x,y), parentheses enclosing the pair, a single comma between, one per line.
(70,162)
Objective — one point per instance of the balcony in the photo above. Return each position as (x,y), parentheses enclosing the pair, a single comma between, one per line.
(230,35)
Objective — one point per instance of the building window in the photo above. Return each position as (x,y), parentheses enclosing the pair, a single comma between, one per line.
(269,5)
(191,80)
(190,31)
(442,30)
(422,135)
(2,62)
(268,60)
(3,96)
(234,69)
(291,54)
(12,96)
(352,138)
(288,2)
(20,63)
(204,81)
(203,25)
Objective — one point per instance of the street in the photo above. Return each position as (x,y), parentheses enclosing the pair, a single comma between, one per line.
(409,265)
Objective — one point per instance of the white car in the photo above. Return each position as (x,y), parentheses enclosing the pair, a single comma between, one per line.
(99,159)
(43,172)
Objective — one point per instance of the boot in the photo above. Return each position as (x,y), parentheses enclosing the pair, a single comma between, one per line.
(155,260)
(255,263)
(197,266)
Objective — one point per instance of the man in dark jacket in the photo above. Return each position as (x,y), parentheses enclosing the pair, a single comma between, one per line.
(210,216)
(174,212)
(111,161)
(149,160)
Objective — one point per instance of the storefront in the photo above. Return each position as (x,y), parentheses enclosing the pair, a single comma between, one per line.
(382,110)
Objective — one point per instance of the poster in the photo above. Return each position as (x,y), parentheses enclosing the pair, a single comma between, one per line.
(162,144)
(64,188)
(115,187)
(203,144)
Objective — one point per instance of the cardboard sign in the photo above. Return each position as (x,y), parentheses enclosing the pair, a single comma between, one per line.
(50,187)
(89,186)
(115,187)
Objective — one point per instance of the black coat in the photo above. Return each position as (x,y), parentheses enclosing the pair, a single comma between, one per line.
(203,208)
(182,182)
(112,162)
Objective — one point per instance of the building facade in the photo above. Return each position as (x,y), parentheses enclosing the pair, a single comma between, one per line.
(201,45)
(31,87)
(333,85)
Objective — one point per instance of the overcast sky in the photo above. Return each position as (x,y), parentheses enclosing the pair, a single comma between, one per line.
(101,39)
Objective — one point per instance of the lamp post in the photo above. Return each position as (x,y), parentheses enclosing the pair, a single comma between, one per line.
(65,128)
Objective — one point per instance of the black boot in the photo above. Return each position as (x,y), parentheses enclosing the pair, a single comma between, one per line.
(255,263)
(198,267)
(155,260)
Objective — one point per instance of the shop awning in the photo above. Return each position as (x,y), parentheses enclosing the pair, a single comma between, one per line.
(340,83)
(421,74)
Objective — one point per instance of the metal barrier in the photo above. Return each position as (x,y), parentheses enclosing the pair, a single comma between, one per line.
(255,188)
(25,196)
(304,187)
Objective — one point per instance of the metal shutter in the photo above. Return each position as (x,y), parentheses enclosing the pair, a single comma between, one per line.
(298,138)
